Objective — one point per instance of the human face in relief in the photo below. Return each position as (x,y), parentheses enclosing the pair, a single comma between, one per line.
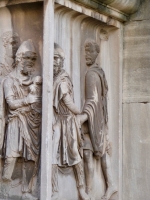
(12,46)
(28,62)
(58,64)
(90,54)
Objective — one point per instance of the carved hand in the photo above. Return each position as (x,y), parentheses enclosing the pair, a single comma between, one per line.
(82,118)
(32,99)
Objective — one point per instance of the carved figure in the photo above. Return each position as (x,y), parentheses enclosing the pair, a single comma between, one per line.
(67,140)
(23,119)
(96,140)
(11,43)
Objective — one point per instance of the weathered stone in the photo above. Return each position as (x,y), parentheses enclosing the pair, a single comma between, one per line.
(136,149)
(136,107)
(127,6)
(136,76)
(70,23)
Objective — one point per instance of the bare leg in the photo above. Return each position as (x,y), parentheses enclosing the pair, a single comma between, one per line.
(54,182)
(106,167)
(88,169)
(78,169)
(8,168)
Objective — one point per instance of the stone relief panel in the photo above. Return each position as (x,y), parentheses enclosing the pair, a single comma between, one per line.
(21,103)
(92,66)
(85,149)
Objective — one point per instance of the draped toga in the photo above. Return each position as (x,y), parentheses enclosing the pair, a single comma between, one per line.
(95,106)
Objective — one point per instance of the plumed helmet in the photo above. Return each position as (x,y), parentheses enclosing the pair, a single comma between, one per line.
(25,47)
(59,51)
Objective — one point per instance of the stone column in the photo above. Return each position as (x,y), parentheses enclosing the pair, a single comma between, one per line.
(46,149)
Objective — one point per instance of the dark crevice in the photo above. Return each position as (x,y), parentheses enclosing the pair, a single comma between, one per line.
(144,102)
(137,20)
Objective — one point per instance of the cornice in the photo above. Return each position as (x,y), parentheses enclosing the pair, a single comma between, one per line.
(126,6)
(117,9)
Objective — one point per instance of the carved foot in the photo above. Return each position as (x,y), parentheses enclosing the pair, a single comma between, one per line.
(55,196)
(82,194)
(88,191)
(109,192)
(28,196)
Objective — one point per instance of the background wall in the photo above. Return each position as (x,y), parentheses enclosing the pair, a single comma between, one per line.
(136,105)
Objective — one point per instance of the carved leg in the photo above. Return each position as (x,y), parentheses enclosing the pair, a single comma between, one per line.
(28,175)
(8,168)
(88,170)
(106,167)
(78,170)
(54,182)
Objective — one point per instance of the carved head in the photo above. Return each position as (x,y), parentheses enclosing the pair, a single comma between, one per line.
(91,51)
(11,43)
(26,57)
(59,57)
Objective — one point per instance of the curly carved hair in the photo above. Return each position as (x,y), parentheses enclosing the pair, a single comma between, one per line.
(89,42)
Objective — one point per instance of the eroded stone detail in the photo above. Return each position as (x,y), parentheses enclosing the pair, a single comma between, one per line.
(11,43)
(103,35)
(22,115)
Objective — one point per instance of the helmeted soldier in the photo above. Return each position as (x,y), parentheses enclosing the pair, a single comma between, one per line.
(21,129)
(67,140)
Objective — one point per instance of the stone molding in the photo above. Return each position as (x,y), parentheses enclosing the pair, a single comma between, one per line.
(126,6)
(117,9)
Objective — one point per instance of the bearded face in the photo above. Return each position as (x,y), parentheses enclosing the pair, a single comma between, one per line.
(27,62)
(90,54)
(58,64)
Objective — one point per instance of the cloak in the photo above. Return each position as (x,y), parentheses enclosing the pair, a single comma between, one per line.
(20,133)
(95,106)
(67,150)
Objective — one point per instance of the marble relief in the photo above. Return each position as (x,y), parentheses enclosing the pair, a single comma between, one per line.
(80,136)
(21,114)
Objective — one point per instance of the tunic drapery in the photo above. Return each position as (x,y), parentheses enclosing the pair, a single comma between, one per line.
(66,136)
(23,123)
(96,107)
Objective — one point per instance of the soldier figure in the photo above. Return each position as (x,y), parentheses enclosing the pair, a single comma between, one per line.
(23,122)
(67,140)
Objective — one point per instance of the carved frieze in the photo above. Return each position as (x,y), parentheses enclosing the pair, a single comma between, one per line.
(73,152)
(81,136)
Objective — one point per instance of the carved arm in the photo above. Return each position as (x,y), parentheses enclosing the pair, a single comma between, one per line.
(70,104)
